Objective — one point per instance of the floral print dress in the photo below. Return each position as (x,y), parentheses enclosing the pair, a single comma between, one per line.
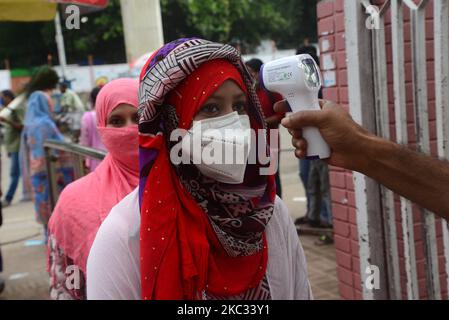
(39,127)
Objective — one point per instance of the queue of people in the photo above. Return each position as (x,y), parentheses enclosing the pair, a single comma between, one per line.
(230,224)
(38,127)
(183,234)
(89,136)
(143,226)
(12,121)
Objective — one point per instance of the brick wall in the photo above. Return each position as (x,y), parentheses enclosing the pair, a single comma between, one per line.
(331,33)
(18,83)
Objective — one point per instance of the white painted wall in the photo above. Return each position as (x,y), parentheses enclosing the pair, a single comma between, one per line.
(83,77)
(142,27)
(5,80)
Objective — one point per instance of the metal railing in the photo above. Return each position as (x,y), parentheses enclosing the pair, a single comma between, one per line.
(77,152)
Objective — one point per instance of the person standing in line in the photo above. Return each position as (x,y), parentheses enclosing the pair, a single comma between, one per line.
(13,121)
(89,134)
(72,109)
(198,230)
(70,101)
(315,178)
(267,99)
(38,127)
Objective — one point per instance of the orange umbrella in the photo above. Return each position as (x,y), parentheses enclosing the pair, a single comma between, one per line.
(38,10)
(91,3)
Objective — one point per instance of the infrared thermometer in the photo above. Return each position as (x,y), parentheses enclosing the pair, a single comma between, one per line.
(297,79)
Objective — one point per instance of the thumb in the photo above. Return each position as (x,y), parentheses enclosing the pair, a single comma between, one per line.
(309,118)
(281,106)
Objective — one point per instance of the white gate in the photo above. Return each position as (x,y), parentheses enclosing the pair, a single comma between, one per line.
(369,104)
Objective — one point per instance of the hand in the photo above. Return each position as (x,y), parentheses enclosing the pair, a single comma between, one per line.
(345,137)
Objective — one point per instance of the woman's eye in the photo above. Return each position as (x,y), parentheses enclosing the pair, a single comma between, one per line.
(136,119)
(210,109)
(116,122)
(240,107)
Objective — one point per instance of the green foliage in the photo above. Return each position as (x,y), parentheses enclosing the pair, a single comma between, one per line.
(23,44)
(302,22)
(101,35)
(246,21)
(109,22)
(29,44)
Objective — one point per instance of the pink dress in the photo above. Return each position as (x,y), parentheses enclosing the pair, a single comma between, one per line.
(90,137)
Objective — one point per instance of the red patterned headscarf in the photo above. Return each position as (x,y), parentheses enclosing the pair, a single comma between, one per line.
(200,239)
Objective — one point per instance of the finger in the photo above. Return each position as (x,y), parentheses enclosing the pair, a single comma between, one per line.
(309,118)
(299,143)
(295,133)
(281,106)
(294,141)
(300,154)
(327,104)
(322,102)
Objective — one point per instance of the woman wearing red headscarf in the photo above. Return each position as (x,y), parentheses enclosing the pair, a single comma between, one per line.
(85,204)
(197,229)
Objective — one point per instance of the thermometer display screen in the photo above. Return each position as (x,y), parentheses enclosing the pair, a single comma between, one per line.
(311,73)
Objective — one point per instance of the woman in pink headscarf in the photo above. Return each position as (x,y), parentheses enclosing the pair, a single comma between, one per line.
(84,204)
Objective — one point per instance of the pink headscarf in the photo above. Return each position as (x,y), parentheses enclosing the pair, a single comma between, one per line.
(85,203)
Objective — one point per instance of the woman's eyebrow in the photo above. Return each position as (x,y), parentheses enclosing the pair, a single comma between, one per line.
(220,97)
(216,97)
(240,95)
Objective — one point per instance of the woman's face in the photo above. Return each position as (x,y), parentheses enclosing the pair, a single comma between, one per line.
(226,99)
(122,116)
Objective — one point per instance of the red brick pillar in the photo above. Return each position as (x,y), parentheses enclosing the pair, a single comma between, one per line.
(331,33)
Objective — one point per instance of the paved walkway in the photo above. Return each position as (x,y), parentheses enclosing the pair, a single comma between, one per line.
(24,258)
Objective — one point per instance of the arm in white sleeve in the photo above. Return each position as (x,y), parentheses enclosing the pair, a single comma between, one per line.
(302,289)
(113,266)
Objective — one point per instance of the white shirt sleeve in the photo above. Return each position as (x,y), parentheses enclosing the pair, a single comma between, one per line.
(287,265)
(113,269)
(302,289)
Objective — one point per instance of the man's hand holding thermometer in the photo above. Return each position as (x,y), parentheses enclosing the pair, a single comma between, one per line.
(298,80)
(354,148)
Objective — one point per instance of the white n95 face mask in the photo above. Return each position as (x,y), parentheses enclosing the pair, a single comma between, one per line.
(220,146)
